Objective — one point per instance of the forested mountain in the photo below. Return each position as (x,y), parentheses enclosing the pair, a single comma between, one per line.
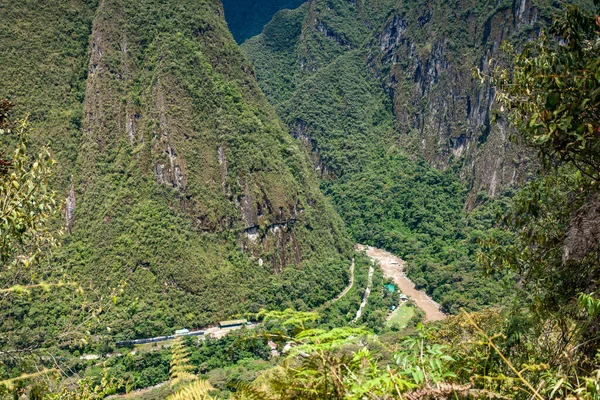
(419,56)
(154,175)
(404,135)
(180,181)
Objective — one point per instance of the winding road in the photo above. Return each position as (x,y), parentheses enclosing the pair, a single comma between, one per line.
(393,268)
(366,295)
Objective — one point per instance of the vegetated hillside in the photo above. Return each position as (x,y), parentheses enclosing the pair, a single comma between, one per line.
(401,132)
(181,182)
(422,55)
(247,18)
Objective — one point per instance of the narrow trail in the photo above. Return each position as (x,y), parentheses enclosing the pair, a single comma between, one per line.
(350,284)
(366,295)
(393,268)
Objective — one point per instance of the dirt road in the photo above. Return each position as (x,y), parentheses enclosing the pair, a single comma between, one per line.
(393,268)
(366,295)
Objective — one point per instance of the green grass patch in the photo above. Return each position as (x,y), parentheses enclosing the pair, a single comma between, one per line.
(402,316)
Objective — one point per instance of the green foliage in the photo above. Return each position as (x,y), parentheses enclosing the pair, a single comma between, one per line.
(349,363)
(27,238)
(225,362)
(274,54)
(180,367)
(27,204)
(387,198)
(403,316)
(343,311)
(289,318)
(189,387)
(44,65)
(466,356)
(553,91)
(551,216)
(176,241)
(196,390)
(552,88)
(175,95)
(229,379)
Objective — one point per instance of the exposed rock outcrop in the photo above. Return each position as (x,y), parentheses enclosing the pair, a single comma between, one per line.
(70,206)
(183,176)
(583,236)
(423,55)
(440,107)
(176,142)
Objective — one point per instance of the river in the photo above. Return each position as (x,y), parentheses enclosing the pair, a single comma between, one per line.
(393,268)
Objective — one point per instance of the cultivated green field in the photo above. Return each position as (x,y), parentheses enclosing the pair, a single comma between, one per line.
(402,316)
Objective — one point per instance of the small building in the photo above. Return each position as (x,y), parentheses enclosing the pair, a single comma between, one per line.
(403,298)
(182,332)
(273,346)
(232,324)
(389,287)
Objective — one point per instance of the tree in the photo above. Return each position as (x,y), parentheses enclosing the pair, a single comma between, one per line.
(28,235)
(26,202)
(26,207)
(552,93)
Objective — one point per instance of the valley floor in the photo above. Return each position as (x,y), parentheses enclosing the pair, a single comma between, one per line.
(393,268)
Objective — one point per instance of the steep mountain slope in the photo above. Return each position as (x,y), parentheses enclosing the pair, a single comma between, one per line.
(44,65)
(382,93)
(422,54)
(181,180)
(439,105)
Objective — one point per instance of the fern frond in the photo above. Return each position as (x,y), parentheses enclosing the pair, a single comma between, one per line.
(249,392)
(289,317)
(197,390)
(180,367)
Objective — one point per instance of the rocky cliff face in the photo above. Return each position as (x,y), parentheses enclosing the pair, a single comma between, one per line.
(167,124)
(440,108)
(182,182)
(403,136)
(422,54)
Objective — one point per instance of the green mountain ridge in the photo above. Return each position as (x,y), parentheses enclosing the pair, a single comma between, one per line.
(403,135)
(247,18)
(203,181)
(181,181)
(422,55)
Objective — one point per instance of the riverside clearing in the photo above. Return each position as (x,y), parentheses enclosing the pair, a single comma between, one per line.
(393,268)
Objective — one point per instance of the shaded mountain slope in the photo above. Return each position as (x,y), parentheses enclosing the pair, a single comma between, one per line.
(421,54)
(247,18)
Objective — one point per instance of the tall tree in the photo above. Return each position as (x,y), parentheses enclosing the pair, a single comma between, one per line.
(552,92)
(26,202)
(29,231)
(26,207)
